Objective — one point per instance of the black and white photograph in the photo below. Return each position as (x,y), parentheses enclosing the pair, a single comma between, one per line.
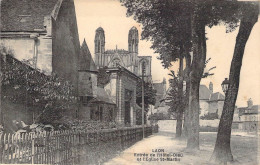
(130,82)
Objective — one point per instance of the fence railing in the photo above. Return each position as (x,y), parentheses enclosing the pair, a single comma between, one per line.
(68,147)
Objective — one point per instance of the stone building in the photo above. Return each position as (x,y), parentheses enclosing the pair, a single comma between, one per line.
(210,102)
(44,33)
(123,68)
(96,104)
(122,91)
(248,118)
(128,59)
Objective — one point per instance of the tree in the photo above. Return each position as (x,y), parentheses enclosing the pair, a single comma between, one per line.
(222,151)
(176,28)
(176,100)
(149,96)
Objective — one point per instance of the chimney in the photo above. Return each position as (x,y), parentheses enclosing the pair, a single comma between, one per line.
(250,103)
(211,87)
(164,85)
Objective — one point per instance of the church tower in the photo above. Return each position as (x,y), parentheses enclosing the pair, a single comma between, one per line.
(99,47)
(133,40)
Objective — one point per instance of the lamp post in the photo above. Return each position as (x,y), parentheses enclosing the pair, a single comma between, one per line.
(225,85)
(143,72)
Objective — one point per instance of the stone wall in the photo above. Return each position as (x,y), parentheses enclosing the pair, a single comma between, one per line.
(126,82)
(203,107)
(28,48)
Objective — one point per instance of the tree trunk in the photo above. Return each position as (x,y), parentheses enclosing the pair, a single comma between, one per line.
(179,125)
(197,68)
(222,151)
(179,115)
(187,91)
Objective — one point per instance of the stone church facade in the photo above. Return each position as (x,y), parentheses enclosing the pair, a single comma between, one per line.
(128,59)
(124,68)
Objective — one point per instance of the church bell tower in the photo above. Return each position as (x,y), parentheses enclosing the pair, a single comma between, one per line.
(133,40)
(99,47)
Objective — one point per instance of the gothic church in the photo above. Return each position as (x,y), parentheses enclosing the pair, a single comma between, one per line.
(120,57)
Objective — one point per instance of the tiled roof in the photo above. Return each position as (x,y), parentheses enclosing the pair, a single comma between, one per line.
(86,60)
(25,15)
(204,93)
(216,97)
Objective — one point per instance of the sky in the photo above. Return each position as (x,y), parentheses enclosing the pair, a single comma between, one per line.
(111,16)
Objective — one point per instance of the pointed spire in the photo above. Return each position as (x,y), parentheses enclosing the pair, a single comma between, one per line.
(84,42)
(116,47)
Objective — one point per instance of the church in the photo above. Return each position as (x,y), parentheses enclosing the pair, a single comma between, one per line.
(124,69)
(128,59)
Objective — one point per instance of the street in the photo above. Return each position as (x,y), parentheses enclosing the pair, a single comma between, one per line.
(244,150)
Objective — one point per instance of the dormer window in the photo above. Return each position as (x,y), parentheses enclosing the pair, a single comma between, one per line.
(24,18)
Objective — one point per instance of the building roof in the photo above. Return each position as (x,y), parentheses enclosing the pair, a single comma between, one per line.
(119,51)
(204,92)
(216,97)
(86,61)
(102,96)
(25,15)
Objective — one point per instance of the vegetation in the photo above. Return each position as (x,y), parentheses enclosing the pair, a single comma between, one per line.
(149,98)
(248,13)
(22,84)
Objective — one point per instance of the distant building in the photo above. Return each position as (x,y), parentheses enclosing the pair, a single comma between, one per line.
(128,59)
(160,92)
(247,117)
(210,102)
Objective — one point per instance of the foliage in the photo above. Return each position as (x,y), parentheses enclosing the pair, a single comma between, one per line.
(167,23)
(76,124)
(149,94)
(23,84)
(102,77)
(159,116)
(209,116)
(174,99)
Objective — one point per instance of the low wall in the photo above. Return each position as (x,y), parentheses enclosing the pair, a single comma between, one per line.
(205,125)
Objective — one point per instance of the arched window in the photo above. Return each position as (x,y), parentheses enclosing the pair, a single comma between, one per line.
(98,47)
(116,62)
(144,67)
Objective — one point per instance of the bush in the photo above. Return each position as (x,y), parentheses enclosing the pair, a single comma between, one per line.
(209,116)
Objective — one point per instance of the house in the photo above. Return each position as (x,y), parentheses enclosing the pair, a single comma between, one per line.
(210,102)
(44,33)
(248,118)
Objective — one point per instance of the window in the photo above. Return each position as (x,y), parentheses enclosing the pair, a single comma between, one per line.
(144,67)
(100,113)
(116,62)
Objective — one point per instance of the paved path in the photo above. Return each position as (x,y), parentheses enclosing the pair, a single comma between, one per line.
(172,146)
